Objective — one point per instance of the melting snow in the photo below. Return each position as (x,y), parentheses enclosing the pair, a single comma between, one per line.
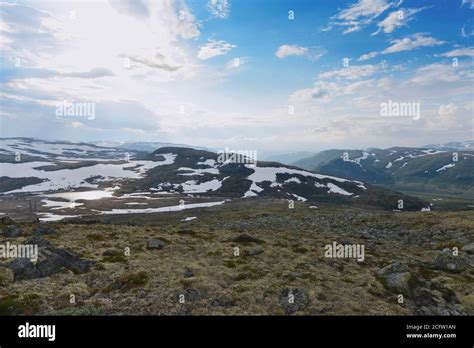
(194,186)
(336,189)
(446,167)
(197,171)
(162,209)
(190,218)
(66,178)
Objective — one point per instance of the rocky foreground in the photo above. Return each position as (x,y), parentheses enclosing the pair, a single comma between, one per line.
(250,257)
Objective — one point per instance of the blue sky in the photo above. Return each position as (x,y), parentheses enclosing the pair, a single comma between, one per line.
(240,74)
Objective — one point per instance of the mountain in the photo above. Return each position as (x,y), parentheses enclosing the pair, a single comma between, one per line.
(453,146)
(62,171)
(143,146)
(399,167)
(286,158)
(32,148)
(199,172)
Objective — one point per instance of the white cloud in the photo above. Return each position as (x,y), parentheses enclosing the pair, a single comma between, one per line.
(353,72)
(236,63)
(290,50)
(368,56)
(460,52)
(397,19)
(447,109)
(360,14)
(214,48)
(295,50)
(436,72)
(412,42)
(219,8)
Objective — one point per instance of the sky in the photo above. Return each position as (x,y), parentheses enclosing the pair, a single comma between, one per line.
(265,75)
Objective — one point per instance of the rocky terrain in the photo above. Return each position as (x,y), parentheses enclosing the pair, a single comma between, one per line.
(249,257)
(180,231)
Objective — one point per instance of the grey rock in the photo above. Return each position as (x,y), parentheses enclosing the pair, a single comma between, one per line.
(44,230)
(469,248)
(292,304)
(12,231)
(396,277)
(188,273)
(192,294)
(39,241)
(449,263)
(50,261)
(254,251)
(294,275)
(155,244)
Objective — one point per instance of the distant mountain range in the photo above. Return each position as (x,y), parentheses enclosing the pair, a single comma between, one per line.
(462,145)
(445,167)
(60,166)
(143,146)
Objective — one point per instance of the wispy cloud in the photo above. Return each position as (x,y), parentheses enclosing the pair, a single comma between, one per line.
(359,15)
(219,8)
(295,50)
(214,48)
(406,44)
(412,42)
(353,72)
(460,52)
(397,19)
(368,56)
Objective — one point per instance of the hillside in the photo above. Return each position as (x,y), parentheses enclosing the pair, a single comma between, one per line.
(400,168)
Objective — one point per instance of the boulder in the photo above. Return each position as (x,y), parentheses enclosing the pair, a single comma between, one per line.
(12,231)
(192,294)
(254,251)
(469,248)
(397,278)
(155,244)
(446,261)
(293,300)
(44,230)
(50,261)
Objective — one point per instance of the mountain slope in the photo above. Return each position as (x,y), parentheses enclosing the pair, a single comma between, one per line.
(49,167)
(199,172)
(399,167)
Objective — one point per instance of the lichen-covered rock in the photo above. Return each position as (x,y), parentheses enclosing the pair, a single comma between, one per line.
(50,261)
(469,248)
(397,278)
(446,261)
(293,300)
(12,231)
(44,230)
(155,244)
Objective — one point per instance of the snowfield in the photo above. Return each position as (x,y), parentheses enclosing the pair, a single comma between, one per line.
(262,174)
(59,150)
(66,178)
